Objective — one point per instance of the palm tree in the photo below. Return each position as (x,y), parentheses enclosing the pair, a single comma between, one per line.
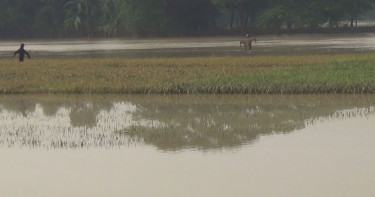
(110,18)
(78,11)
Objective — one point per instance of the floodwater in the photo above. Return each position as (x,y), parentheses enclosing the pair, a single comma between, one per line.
(192,47)
(181,145)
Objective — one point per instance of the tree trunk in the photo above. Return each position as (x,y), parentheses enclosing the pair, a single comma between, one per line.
(87,19)
(278,23)
(289,25)
(242,19)
(232,19)
(247,20)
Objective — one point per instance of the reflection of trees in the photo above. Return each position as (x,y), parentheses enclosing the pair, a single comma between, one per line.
(84,114)
(83,111)
(218,122)
(20,106)
(42,124)
(51,108)
(178,122)
(212,126)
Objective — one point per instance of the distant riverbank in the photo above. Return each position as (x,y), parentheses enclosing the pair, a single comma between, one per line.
(346,73)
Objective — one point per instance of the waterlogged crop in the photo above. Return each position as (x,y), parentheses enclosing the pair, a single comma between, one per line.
(215,75)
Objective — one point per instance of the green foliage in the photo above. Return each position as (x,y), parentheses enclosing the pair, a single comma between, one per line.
(108,18)
(144,17)
(192,15)
(274,17)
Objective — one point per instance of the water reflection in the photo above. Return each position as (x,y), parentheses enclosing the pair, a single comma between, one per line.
(167,122)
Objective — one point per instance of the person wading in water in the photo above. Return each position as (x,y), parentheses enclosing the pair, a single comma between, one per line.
(22,53)
(248,43)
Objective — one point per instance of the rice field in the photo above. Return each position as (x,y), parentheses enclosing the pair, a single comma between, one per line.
(345,73)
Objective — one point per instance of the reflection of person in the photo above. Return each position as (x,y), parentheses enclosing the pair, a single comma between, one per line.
(21,53)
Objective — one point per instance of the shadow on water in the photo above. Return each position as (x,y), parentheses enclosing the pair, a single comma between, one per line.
(202,122)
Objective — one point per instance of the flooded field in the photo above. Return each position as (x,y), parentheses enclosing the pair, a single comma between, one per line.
(230,145)
(192,47)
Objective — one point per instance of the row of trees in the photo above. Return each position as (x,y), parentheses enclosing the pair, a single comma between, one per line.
(77,18)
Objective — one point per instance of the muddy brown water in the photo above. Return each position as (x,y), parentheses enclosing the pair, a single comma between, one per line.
(193,47)
(202,145)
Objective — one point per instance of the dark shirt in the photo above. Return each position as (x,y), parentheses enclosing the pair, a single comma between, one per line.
(22,53)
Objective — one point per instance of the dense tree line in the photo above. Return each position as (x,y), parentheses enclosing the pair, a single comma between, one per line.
(110,18)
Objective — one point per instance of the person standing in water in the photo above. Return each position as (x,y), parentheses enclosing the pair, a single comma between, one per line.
(21,53)
(248,43)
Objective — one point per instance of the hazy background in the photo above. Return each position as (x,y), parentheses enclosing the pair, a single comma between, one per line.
(155,18)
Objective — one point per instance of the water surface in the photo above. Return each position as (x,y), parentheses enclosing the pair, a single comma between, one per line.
(191,47)
(302,145)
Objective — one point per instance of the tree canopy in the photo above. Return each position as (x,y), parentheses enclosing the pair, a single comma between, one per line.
(111,18)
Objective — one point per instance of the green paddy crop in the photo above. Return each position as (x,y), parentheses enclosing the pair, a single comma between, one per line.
(350,73)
